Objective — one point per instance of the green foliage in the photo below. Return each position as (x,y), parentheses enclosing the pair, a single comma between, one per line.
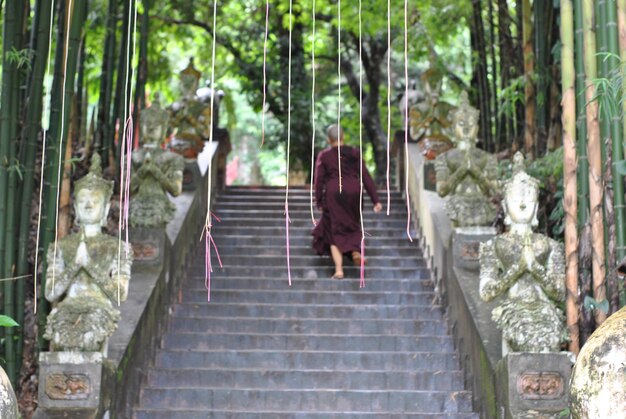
(21,58)
(6,321)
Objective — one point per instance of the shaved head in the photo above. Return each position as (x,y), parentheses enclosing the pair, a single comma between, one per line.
(334,133)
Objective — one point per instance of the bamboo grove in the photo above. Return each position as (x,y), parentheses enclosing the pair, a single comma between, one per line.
(527,58)
(43,91)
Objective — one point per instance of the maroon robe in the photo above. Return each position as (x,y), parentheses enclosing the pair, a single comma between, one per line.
(340,223)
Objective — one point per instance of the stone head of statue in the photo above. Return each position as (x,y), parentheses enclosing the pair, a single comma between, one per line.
(154,123)
(92,195)
(521,195)
(465,122)
(432,80)
(189,80)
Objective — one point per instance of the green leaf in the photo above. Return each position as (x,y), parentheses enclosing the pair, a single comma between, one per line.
(591,304)
(6,321)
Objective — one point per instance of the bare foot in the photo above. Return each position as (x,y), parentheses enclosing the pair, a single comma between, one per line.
(337,275)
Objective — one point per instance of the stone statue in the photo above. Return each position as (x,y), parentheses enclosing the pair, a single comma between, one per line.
(598,383)
(429,119)
(190,116)
(156,173)
(467,173)
(88,274)
(527,269)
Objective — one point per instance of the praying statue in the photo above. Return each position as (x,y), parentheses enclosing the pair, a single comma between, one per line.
(527,269)
(156,173)
(88,272)
(190,116)
(429,119)
(467,174)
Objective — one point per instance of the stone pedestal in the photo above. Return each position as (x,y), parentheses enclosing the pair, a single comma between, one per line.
(70,385)
(466,245)
(149,245)
(191,175)
(533,385)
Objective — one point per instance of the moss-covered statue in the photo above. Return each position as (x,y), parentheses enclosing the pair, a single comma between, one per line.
(429,119)
(527,269)
(190,116)
(467,174)
(157,172)
(88,274)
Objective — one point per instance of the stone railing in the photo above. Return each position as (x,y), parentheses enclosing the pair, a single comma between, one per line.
(112,382)
(520,385)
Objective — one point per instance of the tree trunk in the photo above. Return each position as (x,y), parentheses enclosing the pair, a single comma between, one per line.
(594,154)
(569,171)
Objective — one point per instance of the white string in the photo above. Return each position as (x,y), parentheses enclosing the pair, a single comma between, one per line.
(313,112)
(406,119)
(388,102)
(287,221)
(362,283)
(45,124)
(61,151)
(208,220)
(339,92)
(125,149)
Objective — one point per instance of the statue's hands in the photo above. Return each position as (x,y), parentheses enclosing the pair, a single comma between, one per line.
(82,255)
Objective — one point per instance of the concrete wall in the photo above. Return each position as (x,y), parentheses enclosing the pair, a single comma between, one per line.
(152,288)
(476,336)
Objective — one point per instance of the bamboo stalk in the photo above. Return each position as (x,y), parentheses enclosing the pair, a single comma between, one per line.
(9,103)
(103,138)
(621,26)
(594,154)
(529,84)
(56,136)
(617,133)
(569,171)
(30,135)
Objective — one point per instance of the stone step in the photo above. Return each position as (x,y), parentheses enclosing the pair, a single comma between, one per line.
(178,324)
(226,212)
(322,400)
(309,272)
(372,232)
(360,311)
(229,341)
(304,205)
(306,379)
(376,251)
(278,220)
(310,297)
(293,190)
(295,197)
(244,237)
(390,285)
(233,414)
(355,360)
(313,260)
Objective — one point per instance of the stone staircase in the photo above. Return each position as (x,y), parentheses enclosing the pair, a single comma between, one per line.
(321,348)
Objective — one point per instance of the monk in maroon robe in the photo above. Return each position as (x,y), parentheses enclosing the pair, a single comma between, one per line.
(338,232)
